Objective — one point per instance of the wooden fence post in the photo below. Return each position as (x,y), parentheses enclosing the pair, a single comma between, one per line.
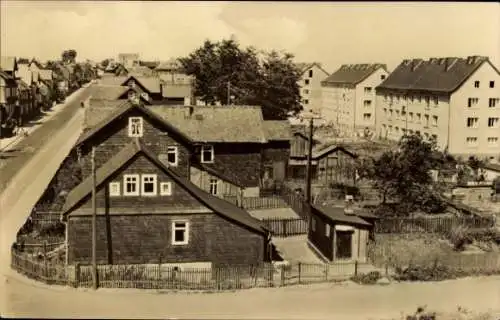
(45,264)
(355,267)
(326,271)
(283,270)
(300,267)
(284,227)
(77,275)
(158,276)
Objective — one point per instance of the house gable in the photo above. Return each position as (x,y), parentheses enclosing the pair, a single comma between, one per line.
(150,85)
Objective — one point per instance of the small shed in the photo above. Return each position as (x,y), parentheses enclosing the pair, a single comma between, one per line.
(337,233)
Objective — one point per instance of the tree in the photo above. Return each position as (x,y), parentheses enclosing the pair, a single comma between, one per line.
(69,56)
(227,74)
(105,63)
(405,174)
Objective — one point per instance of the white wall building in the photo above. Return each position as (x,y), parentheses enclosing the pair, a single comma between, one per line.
(454,100)
(310,85)
(348,97)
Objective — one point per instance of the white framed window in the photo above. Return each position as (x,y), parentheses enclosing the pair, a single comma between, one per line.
(435,121)
(367,103)
(368,90)
(476,84)
(367,116)
(426,120)
(493,141)
(135,127)
(172,156)
(114,189)
(180,232)
(411,116)
(327,230)
(492,122)
(471,102)
(397,114)
(472,122)
(148,184)
(419,117)
(310,73)
(306,81)
(166,189)
(207,154)
(131,185)
(436,101)
(471,141)
(492,84)
(131,83)
(492,102)
(214,186)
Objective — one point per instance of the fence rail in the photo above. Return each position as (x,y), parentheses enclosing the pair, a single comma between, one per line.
(441,225)
(286,227)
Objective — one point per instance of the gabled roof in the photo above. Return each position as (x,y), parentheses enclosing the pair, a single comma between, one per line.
(118,111)
(107,92)
(324,151)
(352,74)
(222,207)
(8,64)
(435,74)
(304,66)
(151,84)
(112,80)
(45,74)
(176,90)
(6,76)
(140,71)
(278,130)
(216,173)
(233,124)
(338,214)
(37,63)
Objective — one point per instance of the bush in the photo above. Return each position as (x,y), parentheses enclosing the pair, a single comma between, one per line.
(53,230)
(424,273)
(459,237)
(27,227)
(367,278)
(421,314)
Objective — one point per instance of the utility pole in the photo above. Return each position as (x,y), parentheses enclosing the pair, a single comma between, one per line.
(94,223)
(311,118)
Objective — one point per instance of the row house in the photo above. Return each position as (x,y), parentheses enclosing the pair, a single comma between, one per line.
(149,213)
(222,149)
(455,101)
(348,97)
(8,96)
(312,74)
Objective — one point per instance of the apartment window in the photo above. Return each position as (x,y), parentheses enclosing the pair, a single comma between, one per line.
(367,116)
(412,98)
(385,111)
(405,98)
(492,122)
(306,91)
(148,184)
(492,102)
(411,116)
(492,84)
(135,127)
(306,81)
(310,73)
(306,101)
(131,182)
(382,77)
(471,140)
(476,84)
(390,113)
(397,114)
(396,129)
(114,189)
(207,154)
(493,140)
(367,103)
(214,185)
(180,232)
(426,120)
(172,156)
(436,101)
(419,117)
(327,230)
(435,121)
(471,102)
(368,90)
(165,189)
(472,122)
(131,84)
(419,98)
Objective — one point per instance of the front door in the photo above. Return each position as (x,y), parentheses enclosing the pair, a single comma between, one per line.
(344,244)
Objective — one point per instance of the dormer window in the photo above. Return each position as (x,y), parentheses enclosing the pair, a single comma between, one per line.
(131,95)
(131,83)
(207,154)
(135,127)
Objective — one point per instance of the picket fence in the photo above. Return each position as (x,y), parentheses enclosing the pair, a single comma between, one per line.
(286,227)
(162,276)
(429,224)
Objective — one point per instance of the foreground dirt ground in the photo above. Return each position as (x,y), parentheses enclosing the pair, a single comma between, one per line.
(24,298)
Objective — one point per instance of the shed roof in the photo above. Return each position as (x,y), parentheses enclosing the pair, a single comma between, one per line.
(352,73)
(107,92)
(222,207)
(337,214)
(243,124)
(8,63)
(436,74)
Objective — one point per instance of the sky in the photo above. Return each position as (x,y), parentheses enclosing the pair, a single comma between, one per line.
(332,33)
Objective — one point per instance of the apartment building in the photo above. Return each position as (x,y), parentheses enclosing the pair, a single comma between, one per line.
(348,97)
(128,60)
(453,100)
(310,85)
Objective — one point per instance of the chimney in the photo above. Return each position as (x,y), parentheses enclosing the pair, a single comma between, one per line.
(450,62)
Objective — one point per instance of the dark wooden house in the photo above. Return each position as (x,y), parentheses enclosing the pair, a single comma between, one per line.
(337,233)
(8,109)
(147,212)
(276,153)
